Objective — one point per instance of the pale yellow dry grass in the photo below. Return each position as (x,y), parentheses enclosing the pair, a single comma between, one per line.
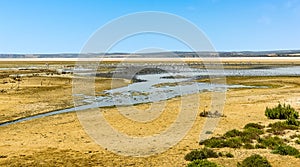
(61,140)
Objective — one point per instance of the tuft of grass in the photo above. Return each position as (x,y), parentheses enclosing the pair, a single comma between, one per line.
(235,138)
(248,146)
(253,125)
(292,121)
(285,150)
(201,154)
(220,142)
(279,127)
(233,133)
(270,142)
(254,161)
(229,155)
(202,163)
(281,112)
(214,142)
(250,134)
(295,136)
(235,142)
(260,146)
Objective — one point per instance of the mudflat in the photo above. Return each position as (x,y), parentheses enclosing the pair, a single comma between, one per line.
(61,140)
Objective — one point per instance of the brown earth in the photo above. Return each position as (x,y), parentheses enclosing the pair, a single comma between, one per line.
(60,140)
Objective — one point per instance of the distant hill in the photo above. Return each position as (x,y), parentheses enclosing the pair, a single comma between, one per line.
(280,53)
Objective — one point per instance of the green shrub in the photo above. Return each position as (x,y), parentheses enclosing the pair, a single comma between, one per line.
(233,133)
(285,150)
(258,146)
(234,138)
(295,136)
(200,154)
(250,134)
(202,163)
(270,142)
(297,141)
(235,142)
(248,146)
(253,125)
(220,142)
(292,121)
(278,127)
(254,161)
(229,155)
(281,112)
(214,142)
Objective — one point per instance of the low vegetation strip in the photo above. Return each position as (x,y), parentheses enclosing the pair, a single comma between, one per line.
(256,136)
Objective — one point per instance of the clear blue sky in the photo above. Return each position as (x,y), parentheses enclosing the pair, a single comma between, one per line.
(63,26)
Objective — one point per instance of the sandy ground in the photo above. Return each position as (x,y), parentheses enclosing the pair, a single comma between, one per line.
(60,140)
(32,95)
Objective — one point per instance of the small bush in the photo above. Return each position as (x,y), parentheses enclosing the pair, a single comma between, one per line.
(292,121)
(295,136)
(254,161)
(229,155)
(253,125)
(270,142)
(233,133)
(281,112)
(234,142)
(214,142)
(297,141)
(200,154)
(202,163)
(278,127)
(285,150)
(234,138)
(248,146)
(226,154)
(260,146)
(250,134)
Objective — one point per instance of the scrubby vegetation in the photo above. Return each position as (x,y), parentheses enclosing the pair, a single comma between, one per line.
(236,139)
(292,121)
(254,161)
(253,125)
(220,142)
(278,127)
(255,136)
(286,150)
(201,154)
(198,157)
(281,112)
(270,142)
(202,163)
(229,155)
(204,154)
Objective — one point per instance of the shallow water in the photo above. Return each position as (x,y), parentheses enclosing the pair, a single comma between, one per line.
(148,91)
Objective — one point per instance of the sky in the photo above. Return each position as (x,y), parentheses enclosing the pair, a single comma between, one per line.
(64,26)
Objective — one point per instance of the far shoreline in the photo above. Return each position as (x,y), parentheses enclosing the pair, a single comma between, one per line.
(293,60)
